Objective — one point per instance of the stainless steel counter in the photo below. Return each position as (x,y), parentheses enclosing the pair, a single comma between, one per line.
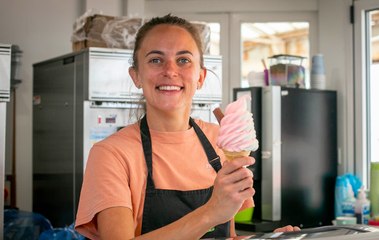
(346,232)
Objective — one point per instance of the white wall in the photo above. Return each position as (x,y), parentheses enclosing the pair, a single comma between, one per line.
(42,29)
(336,43)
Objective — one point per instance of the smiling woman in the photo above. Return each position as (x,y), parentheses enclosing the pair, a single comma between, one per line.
(161,177)
(164,177)
(167,67)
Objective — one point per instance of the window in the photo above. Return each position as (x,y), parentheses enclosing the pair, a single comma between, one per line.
(262,40)
(366,51)
(257,36)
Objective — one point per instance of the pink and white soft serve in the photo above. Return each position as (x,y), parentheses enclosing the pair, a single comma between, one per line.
(237,132)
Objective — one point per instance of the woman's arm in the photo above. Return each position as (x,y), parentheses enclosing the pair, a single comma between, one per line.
(233,185)
(115,223)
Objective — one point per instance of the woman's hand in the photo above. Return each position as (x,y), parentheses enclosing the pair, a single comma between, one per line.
(287,228)
(232,186)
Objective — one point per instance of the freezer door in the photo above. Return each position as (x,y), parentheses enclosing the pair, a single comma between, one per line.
(108,76)
(5,72)
(309,156)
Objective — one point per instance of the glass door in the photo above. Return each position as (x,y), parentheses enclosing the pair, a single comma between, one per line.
(366,51)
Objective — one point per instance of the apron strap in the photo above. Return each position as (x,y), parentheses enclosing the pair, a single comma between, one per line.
(148,152)
(213,158)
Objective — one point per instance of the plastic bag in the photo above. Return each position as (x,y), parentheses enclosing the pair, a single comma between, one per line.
(67,233)
(24,225)
(356,184)
(121,32)
(343,183)
(79,33)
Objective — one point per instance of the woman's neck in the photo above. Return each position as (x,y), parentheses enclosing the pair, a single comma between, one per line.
(168,122)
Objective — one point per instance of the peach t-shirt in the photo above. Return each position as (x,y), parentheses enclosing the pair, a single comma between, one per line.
(116,171)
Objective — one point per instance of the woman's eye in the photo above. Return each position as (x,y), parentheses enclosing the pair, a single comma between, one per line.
(183,60)
(155,60)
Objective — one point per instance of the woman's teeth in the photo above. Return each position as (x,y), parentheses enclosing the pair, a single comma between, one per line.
(169,88)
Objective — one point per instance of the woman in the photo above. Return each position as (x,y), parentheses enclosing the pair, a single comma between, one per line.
(161,178)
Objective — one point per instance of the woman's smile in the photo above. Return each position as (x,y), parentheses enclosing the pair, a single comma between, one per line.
(169,88)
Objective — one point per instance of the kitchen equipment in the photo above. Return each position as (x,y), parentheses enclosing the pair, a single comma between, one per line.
(296,164)
(287,70)
(5,80)
(81,98)
(5,71)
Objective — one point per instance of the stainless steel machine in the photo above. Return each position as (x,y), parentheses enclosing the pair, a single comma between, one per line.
(5,81)
(79,99)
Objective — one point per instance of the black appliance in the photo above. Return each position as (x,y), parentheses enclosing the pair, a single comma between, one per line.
(296,163)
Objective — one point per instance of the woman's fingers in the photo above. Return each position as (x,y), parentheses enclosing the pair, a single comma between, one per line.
(287,228)
(231,166)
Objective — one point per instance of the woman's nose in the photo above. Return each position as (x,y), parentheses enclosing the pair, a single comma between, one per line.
(171,68)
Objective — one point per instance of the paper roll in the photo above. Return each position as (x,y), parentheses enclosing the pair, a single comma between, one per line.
(346,221)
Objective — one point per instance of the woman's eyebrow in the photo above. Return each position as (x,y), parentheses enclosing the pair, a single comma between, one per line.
(154,52)
(162,53)
(184,52)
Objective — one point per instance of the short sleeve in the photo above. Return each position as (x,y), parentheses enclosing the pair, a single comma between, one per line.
(105,185)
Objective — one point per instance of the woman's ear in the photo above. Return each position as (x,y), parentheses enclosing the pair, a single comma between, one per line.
(203,74)
(134,75)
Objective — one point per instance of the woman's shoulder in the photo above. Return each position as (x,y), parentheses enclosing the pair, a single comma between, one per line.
(207,125)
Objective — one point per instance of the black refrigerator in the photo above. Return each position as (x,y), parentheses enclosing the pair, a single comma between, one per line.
(296,163)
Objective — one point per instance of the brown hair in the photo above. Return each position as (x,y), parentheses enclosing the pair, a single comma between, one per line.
(170,20)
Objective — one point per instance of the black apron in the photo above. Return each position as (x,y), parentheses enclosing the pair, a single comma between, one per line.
(163,207)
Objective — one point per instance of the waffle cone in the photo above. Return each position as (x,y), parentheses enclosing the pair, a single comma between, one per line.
(230,156)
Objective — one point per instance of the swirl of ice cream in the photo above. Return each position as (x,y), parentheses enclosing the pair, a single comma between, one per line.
(237,132)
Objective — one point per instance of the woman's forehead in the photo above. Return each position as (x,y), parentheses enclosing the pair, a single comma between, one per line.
(165,33)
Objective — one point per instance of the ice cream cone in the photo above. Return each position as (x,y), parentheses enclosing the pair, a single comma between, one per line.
(232,155)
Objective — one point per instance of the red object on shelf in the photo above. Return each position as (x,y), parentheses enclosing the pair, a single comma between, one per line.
(5,193)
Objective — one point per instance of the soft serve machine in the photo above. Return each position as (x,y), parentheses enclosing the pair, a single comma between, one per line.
(79,99)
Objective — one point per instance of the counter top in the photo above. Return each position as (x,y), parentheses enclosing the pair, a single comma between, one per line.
(345,232)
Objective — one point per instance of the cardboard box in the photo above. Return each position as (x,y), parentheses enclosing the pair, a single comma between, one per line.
(89,33)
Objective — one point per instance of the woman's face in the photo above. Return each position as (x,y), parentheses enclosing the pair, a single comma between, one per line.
(169,69)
